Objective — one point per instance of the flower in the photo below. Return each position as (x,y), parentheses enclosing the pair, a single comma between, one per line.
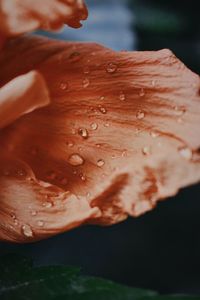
(120,133)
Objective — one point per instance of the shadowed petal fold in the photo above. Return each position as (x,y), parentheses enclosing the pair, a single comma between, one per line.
(32,210)
(122,129)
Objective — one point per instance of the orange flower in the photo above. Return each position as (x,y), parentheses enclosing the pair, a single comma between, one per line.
(121,132)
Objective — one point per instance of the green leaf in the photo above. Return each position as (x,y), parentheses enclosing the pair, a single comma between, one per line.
(20,280)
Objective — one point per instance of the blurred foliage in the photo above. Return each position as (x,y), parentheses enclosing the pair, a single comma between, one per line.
(169,24)
(19,280)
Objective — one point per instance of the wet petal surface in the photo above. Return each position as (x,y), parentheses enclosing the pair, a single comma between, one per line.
(122,129)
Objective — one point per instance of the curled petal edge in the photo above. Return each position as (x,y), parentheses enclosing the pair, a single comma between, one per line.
(22,95)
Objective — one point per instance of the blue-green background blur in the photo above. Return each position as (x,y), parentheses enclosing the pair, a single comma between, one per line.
(160,250)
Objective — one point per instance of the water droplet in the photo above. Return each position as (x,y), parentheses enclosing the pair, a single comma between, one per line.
(179,111)
(16,222)
(122,96)
(40,223)
(106,125)
(146,150)
(63,86)
(86,82)
(100,163)
(153,83)
(47,204)
(33,213)
(70,144)
(185,152)
(75,159)
(94,126)
(111,68)
(142,92)
(21,173)
(124,153)
(27,231)
(82,176)
(73,131)
(102,110)
(180,121)
(102,98)
(86,70)
(140,114)
(13,216)
(83,132)
(74,56)
(154,134)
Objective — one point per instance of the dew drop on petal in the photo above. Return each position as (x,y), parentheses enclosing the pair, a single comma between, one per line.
(102,98)
(122,96)
(146,150)
(179,111)
(124,153)
(83,133)
(82,176)
(140,114)
(63,86)
(70,144)
(94,126)
(16,222)
(86,82)
(153,83)
(33,213)
(74,56)
(102,110)
(86,70)
(180,121)
(27,231)
(73,131)
(100,163)
(13,216)
(142,92)
(111,68)
(40,223)
(154,134)
(185,152)
(47,204)
(21,173)
(75,160)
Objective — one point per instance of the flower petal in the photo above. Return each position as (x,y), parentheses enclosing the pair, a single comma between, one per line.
(32,210)
(17,17)
(122,128)
(22,95)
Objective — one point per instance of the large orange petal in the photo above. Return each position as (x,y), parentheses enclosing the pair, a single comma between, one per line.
(122,128)
(22,95)
(32,210)
(17,17)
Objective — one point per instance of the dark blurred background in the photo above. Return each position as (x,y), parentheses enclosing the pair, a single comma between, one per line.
(160,250)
